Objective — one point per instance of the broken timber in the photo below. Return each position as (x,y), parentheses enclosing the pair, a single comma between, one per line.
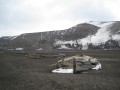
(77,64)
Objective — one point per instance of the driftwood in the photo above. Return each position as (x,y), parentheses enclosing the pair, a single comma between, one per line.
(45,55)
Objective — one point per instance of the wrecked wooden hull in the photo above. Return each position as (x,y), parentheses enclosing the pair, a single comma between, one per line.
(76,64)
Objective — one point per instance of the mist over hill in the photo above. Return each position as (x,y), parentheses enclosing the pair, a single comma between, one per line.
(84,36)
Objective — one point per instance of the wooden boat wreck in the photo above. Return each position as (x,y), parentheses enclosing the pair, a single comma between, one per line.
(76,64)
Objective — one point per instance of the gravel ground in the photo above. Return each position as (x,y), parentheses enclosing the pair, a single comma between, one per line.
(18,72)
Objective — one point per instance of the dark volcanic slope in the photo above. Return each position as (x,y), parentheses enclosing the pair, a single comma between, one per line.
(80,36)
(46,39)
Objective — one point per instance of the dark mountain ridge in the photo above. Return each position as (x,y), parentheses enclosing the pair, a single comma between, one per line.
(82,36)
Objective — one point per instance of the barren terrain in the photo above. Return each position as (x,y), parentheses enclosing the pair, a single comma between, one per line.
(18,72)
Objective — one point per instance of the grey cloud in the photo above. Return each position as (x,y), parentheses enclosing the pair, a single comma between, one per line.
(91,13)
(8,15)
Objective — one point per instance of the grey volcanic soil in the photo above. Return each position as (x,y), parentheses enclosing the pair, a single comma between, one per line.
(18,72)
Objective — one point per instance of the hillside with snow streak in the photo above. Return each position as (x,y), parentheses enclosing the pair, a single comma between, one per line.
(102,35)
(84,36)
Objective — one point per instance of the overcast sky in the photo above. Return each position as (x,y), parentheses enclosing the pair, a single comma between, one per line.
(25,16)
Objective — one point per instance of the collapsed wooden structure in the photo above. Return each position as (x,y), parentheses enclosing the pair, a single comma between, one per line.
(77,64)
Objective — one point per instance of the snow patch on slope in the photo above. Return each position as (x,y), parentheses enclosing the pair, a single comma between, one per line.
(84,41)
(39,49)
(19,49)
(101,36)
(64,47)
(116,37)
(12,38)
(100,24)
(60,42)
(63,44)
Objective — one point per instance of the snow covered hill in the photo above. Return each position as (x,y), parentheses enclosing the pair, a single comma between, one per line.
(103,34)
(88,35)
